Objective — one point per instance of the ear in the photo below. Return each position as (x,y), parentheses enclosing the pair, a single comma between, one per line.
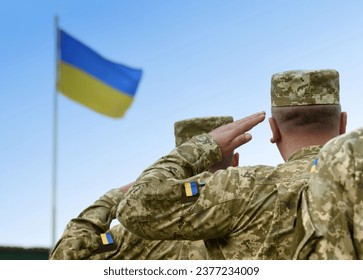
(235,160)
(276,135)
(343,122)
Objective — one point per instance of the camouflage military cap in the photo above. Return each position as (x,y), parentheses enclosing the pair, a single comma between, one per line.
(186,129)
(305,87)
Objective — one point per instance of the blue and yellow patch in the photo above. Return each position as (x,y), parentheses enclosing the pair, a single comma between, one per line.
(191,188)
(106,238)
(313,167)
(190,191)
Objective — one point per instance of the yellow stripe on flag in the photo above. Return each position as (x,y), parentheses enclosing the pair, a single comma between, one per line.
(188,189)
(88,91)
(104,239)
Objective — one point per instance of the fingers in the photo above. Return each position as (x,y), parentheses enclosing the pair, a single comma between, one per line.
(246,124)
(233,135)
(242,139)
(262,113)
(252,119)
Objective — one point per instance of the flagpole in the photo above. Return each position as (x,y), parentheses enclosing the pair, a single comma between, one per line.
(55,138)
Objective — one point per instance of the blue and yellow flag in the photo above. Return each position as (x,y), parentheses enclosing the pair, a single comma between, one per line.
(191,188)
(106,238)
(88,78)
(313,166)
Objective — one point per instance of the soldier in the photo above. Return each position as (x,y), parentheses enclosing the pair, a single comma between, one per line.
(89,235)
(242,212)
(336,201)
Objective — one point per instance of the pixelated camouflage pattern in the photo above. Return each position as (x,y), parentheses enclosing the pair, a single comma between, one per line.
(336,200)
(305,87)
(241,212)
(81,238)
(186,129)
(82,235)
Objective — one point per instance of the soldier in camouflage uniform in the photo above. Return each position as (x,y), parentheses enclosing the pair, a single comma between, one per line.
(242,212)
(82,238)
(336,201)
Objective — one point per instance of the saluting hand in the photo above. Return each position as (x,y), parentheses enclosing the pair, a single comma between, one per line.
(232,135)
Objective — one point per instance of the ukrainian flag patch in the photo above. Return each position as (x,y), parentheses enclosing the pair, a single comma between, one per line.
(313,167)
(106,238)
(190,191)
(191,188)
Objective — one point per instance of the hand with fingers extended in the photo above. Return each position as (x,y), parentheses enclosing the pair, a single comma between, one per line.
(231,136)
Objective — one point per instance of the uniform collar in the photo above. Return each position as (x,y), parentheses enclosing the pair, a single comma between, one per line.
(304,152)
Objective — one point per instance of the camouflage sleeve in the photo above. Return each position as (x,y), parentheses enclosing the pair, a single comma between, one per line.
(158,206)
(82,234)
(127,246)
(336,199)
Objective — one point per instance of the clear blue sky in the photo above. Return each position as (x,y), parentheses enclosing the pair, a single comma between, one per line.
(200,58)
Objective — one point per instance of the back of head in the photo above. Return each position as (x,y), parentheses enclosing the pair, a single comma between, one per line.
(306,101)
(186,129)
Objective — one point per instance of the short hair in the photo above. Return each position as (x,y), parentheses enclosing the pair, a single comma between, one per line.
(312,118)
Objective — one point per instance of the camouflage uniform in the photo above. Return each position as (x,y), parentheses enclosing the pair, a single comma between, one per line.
(336,201)
(241,212)
(81,238)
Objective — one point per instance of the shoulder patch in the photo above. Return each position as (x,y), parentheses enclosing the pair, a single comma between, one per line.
(190,191)
(105,243)
(106,238)
(313,167)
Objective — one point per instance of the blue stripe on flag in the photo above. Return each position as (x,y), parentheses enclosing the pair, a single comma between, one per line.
(118,76)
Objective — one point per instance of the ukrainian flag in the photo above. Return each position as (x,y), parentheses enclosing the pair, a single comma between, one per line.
(106,238)
(88,78)
(313,167)
(191,188)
